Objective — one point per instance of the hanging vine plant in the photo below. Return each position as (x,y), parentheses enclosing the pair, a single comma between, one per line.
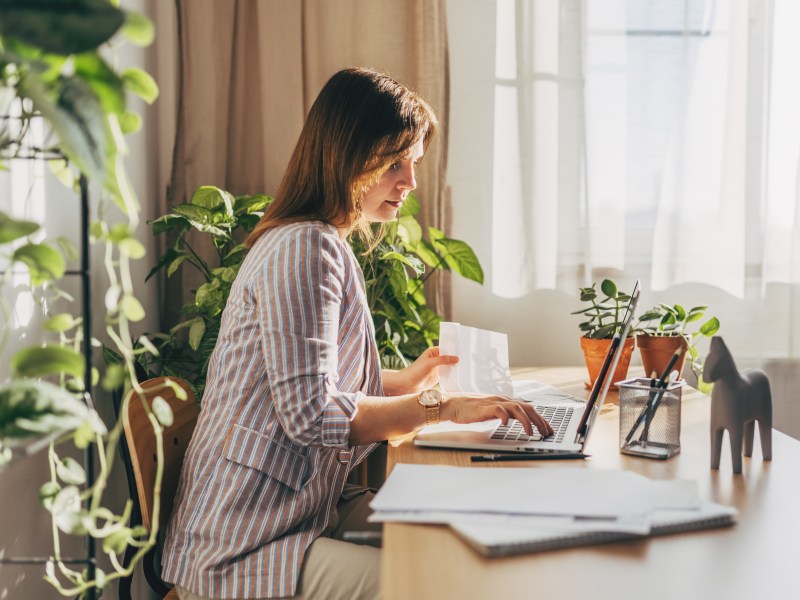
(55,66)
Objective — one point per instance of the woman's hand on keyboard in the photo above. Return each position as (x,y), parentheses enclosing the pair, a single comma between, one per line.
(473,408)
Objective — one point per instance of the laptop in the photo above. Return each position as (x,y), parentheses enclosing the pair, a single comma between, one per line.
(571,422)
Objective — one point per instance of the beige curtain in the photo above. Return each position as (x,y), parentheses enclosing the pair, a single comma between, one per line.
(249,70)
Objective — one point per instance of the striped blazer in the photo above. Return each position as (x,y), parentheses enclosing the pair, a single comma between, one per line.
(270,454)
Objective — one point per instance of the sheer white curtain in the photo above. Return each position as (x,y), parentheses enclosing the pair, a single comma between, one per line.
(634,138)
(660,138)
(662,132)
(537,195)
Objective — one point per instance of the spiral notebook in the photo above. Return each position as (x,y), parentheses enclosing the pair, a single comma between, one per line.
(492,541)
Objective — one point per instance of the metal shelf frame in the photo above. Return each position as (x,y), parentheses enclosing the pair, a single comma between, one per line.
(85,274)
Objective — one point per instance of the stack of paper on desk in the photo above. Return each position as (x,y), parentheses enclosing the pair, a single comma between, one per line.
(508,511)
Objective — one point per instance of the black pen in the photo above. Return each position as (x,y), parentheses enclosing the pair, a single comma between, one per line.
(531,456)
(660,388)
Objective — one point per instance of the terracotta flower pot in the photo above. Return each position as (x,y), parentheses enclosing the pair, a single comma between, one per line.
(594,352)
(657,350)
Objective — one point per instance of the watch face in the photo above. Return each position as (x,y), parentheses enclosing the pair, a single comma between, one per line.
(430,398)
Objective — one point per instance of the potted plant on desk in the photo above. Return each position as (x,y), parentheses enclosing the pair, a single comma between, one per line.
(664,329)
(604,318)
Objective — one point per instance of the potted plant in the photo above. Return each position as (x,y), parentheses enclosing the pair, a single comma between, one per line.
(604,317)
(664,329)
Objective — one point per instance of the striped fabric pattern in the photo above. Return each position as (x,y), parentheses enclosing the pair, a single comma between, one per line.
(270,455)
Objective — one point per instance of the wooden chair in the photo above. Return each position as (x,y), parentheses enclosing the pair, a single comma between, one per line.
(141,451)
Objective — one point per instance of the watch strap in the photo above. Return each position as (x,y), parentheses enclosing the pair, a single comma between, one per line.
(432,416)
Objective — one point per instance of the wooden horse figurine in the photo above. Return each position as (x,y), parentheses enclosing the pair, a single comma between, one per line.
(737,402)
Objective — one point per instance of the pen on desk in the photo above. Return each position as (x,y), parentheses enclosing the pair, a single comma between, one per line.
(662,383)
(531,456)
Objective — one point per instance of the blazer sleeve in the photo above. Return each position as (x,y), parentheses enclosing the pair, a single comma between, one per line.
(300,292)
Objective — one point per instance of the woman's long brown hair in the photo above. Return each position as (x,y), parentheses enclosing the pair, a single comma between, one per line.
(360,123)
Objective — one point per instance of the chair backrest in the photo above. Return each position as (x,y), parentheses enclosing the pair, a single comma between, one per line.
(141,440)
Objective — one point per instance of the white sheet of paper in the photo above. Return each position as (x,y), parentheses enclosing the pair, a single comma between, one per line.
(482,367)
(600,493)
(636,524)
(543,394)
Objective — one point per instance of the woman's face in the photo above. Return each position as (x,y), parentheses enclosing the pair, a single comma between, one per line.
(384,199)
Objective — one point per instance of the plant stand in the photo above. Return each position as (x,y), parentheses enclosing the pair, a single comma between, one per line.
(84,272)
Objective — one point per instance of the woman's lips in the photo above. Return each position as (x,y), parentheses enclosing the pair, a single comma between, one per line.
(395,203)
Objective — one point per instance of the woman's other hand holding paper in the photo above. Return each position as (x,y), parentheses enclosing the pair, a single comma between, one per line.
(422,374)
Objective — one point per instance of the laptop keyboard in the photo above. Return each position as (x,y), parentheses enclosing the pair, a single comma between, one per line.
(557,416)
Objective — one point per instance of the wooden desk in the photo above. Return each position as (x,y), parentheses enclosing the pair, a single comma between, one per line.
(759,557)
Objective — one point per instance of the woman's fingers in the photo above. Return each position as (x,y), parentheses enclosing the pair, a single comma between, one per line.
(468,409)
(445,359)
(541,423)
(518,412)
(527,415)
(434,355)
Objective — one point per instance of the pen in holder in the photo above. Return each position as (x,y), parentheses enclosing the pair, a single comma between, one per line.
(650,418)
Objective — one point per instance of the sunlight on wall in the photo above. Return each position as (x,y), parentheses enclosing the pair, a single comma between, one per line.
(783,187)
(26,200)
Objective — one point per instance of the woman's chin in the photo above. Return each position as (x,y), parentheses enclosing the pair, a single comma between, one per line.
(383,216)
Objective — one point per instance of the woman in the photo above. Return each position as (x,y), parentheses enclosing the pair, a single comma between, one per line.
(295,397)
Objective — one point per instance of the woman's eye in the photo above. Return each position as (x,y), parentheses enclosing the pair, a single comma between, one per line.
(394,166)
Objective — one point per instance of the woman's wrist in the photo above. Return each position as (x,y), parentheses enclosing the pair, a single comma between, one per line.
(445,409)
(391,383)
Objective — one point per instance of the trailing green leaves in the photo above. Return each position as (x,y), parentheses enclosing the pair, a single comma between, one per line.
(40,361)
(138,29)
(140,83)
(56,65)
(51,66)
(63,27)
(12,229)
(35,408)
(44,262)
(102,80)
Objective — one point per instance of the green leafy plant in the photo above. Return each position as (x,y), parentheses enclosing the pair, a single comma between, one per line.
(395,272)
(54,68)
(51,66)
(184,351)
(664,320)
(606,310)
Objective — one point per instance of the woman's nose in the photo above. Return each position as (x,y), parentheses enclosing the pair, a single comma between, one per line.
(408,177)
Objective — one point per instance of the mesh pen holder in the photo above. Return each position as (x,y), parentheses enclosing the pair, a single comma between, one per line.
(649,418)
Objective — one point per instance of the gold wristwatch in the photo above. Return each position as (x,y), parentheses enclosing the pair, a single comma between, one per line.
(431,401)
